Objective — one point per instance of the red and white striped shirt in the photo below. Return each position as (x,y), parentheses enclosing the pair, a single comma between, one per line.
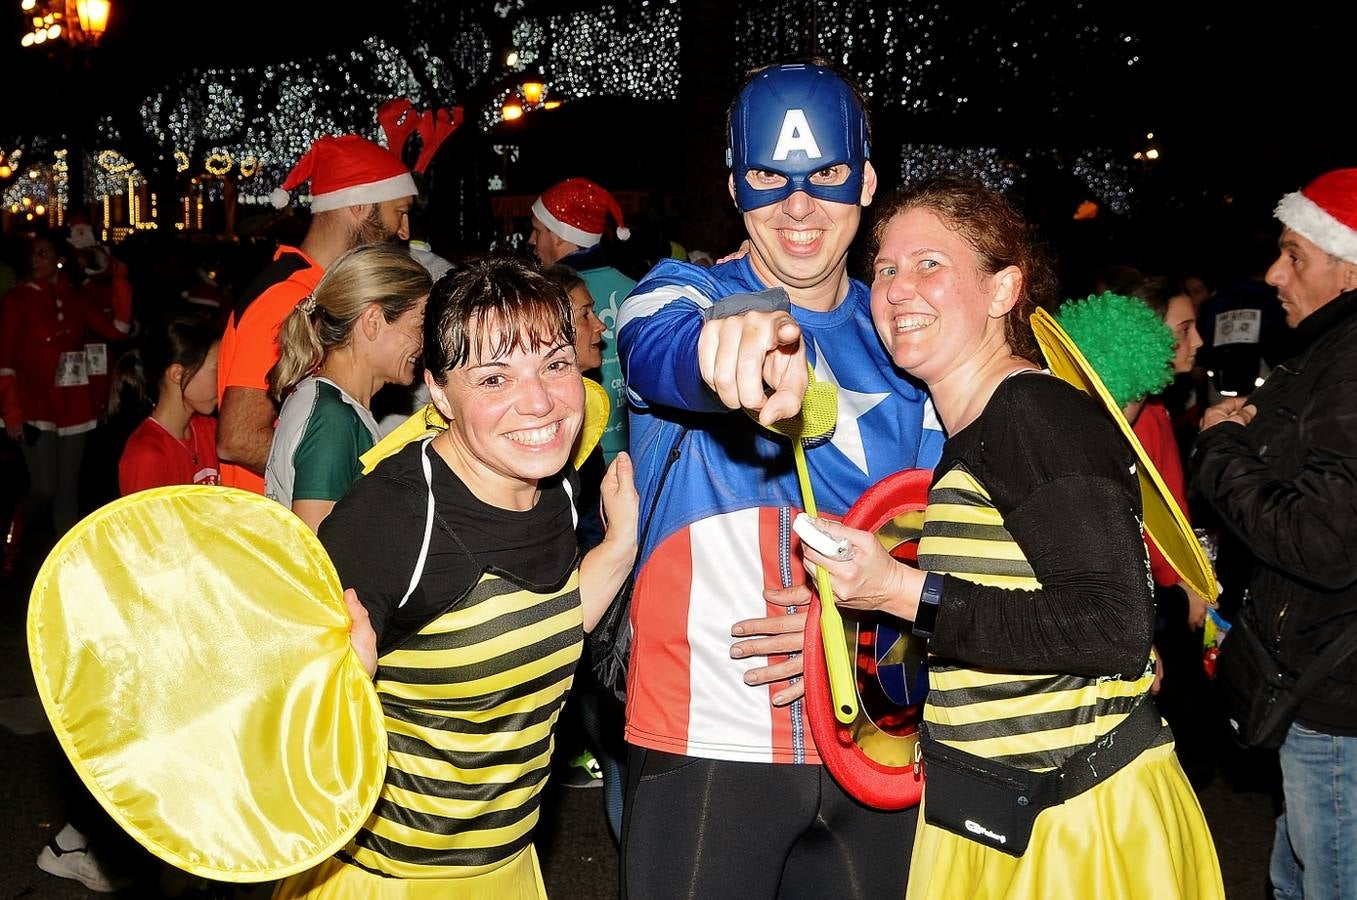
(685,694)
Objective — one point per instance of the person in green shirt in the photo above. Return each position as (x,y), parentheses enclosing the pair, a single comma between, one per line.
(569,222)
(361,329)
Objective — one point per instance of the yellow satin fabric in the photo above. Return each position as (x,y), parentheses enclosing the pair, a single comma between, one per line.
(1164,521)
(429,421)
(191,647)
(520,879)
(1140,835)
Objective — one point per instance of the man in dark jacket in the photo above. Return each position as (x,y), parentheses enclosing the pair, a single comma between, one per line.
(1281,469)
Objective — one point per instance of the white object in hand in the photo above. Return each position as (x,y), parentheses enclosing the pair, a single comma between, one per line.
(817,540)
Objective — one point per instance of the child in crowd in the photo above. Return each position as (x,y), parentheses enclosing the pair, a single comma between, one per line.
(172,380)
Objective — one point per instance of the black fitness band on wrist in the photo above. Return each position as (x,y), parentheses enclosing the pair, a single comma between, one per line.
(926,618)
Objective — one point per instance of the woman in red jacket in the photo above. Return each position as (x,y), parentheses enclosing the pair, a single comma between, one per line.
(43,325)
(171,381)
(58,391)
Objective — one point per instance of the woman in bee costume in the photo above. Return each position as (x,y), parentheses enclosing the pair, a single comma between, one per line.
(1048,771)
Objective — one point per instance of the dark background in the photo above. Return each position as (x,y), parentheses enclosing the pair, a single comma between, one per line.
(1245,105)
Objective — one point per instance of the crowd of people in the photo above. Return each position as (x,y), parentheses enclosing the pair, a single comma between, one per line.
(476,559)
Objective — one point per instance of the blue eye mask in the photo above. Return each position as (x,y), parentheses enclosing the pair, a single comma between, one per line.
(796,120)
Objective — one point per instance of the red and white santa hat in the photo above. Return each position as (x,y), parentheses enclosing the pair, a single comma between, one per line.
(347,170)
(82,232)
(577,210)
(1325,212)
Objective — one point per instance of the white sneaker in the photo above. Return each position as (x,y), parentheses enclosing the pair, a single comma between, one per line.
(82,866)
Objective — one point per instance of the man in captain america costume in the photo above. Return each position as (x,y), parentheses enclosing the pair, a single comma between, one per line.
(726,796)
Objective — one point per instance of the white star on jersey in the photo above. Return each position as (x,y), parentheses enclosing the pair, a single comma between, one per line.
(852,405)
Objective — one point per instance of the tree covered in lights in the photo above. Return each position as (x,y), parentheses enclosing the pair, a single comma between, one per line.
(249,125)
(273,113)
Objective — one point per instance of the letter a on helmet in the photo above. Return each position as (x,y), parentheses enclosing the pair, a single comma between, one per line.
(796,135)
(796,120)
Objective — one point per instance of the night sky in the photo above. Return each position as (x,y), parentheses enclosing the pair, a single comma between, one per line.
(1244,106)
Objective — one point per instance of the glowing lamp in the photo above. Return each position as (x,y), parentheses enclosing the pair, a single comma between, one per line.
(93,15)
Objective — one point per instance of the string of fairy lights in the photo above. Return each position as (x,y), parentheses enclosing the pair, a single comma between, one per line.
(1105,175)
(940,58)
(928,59)
(988,164)
(289,105)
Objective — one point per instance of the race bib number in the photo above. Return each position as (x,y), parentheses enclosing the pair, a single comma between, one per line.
(96,359)
(71,369)
(1238,326)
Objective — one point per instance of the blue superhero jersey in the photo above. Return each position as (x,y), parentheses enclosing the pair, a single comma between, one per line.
(885,419)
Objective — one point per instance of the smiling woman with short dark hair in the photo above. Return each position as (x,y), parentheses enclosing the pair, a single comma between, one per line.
(470,596)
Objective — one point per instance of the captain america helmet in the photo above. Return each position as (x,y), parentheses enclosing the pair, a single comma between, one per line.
(796,120)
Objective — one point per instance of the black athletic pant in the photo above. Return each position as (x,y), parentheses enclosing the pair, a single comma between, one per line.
(705,829)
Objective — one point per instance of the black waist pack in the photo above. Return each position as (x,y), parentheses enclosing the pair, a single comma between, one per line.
(997,805)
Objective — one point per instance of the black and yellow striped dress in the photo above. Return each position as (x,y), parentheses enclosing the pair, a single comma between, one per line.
(1042,645)
(473,669)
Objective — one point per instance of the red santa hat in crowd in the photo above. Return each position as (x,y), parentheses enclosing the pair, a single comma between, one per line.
(347,171)
(577,210)
(82,232)
(1325,212)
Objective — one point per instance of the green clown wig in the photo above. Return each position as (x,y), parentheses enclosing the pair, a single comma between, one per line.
(1124,340)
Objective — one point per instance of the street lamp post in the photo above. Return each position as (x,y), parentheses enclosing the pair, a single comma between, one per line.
(69,29)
